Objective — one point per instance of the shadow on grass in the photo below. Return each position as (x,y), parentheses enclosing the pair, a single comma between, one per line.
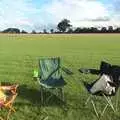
(67,71)
(34,96)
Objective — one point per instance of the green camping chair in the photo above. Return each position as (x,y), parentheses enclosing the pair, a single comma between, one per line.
(50,78)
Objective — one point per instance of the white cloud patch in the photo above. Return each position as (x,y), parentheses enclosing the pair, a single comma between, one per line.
(77,9)
(83,13)
(24,14)
(13,13)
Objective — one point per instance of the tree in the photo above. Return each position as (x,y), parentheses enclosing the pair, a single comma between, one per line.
(77,30)
(44,31)
(117,30)
(52,30)
(93,30)
(103,30)
(64,25)
(24,32)
(110,29)
(33,32)
(70,30)
(11,30)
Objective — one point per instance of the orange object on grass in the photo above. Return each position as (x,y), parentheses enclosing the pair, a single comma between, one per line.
(6,101)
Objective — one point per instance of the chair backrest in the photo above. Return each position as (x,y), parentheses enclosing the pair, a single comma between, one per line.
(105,68)
(115,74)
(111,70)
(49,68)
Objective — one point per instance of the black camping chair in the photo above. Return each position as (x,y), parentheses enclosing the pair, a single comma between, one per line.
(106,86)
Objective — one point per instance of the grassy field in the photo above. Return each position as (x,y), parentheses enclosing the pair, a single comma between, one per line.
(19,56)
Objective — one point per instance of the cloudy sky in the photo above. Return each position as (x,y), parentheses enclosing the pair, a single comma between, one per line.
(39,14)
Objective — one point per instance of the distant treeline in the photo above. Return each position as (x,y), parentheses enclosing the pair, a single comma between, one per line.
(77,30)
(64,26)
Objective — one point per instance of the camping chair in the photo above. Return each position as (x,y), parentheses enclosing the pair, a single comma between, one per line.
(50,78)
(8,99)
(105,87)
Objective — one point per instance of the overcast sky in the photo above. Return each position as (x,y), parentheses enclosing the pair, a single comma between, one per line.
(39,14)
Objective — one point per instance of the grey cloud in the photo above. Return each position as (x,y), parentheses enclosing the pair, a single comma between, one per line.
(101,19)
(40,27)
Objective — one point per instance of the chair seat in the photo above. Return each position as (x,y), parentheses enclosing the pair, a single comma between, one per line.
(53,83)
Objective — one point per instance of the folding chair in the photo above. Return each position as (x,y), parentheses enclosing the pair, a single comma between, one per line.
(101,88)
(51,78)
(8,99)
(105,87)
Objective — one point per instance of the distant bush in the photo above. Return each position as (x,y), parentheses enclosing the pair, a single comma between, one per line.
(11,30)
(24,32)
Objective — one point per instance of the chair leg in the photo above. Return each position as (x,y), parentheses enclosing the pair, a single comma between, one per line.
(10,110)
(95,109)
(117,100)
(8,114)
(104,109)
(41,92)
(102,113)
(62,95)
(109,102)
(48,98)
(88,99)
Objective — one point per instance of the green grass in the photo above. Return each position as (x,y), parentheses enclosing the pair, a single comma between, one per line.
(18,58)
